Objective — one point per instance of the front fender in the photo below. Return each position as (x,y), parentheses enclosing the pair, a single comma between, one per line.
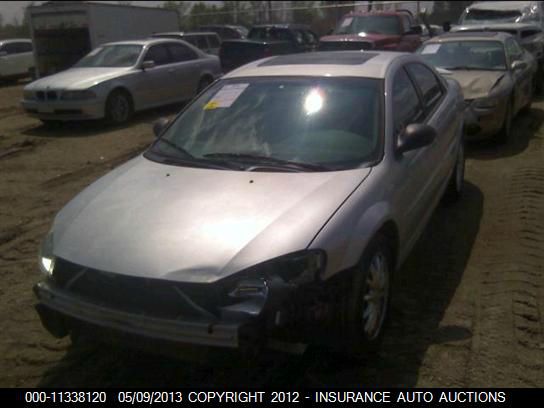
(347,235)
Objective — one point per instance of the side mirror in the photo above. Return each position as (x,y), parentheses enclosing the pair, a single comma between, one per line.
(415,30)
(160,125)
(3,53)
(330,31)
(446,26)
(415,136)
(148,64)
(516,65)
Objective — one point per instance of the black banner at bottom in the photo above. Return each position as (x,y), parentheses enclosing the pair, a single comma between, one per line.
(503,396)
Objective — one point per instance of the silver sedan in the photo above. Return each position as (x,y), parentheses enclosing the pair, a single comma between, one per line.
(282,198)
(117,79)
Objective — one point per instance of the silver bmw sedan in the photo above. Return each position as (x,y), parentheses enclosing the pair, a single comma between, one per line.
(117,79)
(275,208)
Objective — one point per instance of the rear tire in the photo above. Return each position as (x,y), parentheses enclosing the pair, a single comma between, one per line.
(119,108)
(368,298)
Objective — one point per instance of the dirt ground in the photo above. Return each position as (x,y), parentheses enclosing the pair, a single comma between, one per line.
(468,304)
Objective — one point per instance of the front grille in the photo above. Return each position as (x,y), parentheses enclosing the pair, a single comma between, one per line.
(47,95)
(153,297)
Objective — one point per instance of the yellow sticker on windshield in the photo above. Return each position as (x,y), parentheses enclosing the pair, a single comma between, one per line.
(211,105)
(226,96)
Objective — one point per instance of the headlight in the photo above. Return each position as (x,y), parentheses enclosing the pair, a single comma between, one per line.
(46,257)
(298,268)
(77,95)
(485,103)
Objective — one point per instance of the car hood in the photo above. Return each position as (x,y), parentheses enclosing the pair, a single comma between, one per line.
(77,78)
(196,225)
(475,83)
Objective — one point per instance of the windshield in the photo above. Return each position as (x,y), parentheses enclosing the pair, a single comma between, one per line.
(124,55)
(465,54)
(476,16)
(327,123)
(369,25)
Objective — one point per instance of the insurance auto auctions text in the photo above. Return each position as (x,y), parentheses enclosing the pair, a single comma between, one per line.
(348,396)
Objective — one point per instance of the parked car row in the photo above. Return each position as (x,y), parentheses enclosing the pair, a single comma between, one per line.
(259,217)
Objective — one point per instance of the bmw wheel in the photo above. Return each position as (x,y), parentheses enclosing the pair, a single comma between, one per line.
(119,107)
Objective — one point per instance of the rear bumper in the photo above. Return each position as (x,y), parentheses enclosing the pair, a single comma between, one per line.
(56,307)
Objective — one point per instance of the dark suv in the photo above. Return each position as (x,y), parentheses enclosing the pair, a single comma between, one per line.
(226,32)
(265,41)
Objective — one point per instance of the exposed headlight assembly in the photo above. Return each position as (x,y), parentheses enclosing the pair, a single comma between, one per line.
(298,268)
(46,257)
(78,95)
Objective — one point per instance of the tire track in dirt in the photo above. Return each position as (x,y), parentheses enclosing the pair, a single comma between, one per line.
(511,286)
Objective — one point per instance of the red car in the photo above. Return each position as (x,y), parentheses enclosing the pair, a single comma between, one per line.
(383,30)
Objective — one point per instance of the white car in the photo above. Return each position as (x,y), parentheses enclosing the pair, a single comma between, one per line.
(16,58)
(117,79)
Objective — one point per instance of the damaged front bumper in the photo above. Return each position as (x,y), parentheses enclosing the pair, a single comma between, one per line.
(56,307)
(241,324)
(480,124)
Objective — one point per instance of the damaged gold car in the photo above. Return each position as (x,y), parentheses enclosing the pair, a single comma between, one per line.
(495,73)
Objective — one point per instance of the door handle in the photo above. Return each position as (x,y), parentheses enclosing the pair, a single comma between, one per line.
(171,70)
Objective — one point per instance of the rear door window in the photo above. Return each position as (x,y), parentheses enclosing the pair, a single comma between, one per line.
(181,53)
(24,47)
(428,84)
(159,54)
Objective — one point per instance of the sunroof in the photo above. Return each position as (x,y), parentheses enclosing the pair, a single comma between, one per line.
(329,57)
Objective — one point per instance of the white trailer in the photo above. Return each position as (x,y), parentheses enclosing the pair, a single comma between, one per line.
(64,32)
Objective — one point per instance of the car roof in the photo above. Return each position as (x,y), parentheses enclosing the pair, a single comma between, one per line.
(471,35)
(146,41)
(322,63)
(500,5)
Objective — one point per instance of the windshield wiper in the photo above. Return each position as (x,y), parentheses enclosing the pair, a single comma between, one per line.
(267,160)
(175,146)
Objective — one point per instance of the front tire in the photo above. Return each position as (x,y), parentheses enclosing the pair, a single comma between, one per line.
(368,298)
(118,107)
